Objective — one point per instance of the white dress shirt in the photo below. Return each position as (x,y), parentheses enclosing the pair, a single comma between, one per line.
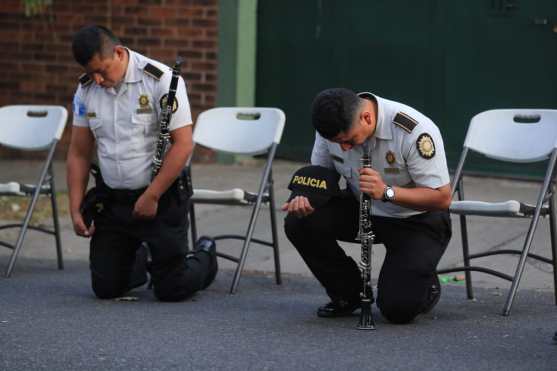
(406,149)
(126,121)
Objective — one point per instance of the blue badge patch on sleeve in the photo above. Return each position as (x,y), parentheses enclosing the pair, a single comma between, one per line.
(79,107)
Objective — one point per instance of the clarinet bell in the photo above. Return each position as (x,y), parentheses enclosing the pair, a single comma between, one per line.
(366,318)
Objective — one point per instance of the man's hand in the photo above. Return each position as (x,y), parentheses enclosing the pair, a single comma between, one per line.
(78,163)
(79,225)
(146,206)
(372,183)
(298,206)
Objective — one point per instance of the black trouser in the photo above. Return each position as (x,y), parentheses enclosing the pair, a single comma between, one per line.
(118,235)
(413,245)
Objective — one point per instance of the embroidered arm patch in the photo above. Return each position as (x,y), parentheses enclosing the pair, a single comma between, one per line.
(426,147)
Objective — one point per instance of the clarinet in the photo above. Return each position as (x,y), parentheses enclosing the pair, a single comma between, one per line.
(166,115)
(366,238)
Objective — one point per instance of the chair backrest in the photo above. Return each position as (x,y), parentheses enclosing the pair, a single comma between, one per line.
(515,135)
(31,127)
(241,130)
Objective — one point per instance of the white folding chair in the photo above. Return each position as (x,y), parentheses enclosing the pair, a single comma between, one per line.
(32,128)
(519,136)
(246,131)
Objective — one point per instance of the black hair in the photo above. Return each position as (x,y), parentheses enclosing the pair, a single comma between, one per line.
(90,40)
(333,111)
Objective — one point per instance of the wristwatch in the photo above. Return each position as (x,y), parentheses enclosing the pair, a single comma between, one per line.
(388,194)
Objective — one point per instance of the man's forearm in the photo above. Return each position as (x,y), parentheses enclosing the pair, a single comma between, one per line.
(173,163)
(77,179)
(423,198)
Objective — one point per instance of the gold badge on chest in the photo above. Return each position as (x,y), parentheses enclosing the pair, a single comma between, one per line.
(143,101)
(390,157)
(144,106)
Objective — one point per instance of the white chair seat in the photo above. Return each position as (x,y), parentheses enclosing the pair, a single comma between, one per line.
(507,208)
(20,189)
(11,189)
(235,196)
(229,196)
(511,208)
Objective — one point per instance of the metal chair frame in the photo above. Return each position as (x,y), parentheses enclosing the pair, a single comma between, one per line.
(229,129)
(493,134)
(18,130)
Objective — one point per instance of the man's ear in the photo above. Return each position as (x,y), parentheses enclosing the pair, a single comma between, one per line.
(120,51)
(366,116)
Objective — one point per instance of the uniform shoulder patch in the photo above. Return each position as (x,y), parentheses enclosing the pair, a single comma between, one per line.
(85,80)
(153,71)
(426,147)
(163,103)
(405,122)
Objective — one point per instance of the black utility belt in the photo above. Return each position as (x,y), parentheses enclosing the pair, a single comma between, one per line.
(123,195)
(131,195)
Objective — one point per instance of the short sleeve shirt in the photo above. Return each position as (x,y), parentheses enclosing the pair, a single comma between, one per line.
(126,122)
(406,149)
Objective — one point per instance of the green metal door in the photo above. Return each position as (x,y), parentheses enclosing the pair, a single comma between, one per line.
(306,46)
(499,54)
(448,59)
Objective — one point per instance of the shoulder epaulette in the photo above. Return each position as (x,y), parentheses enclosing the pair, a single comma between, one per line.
(85,80)
(153,71)
(405,122)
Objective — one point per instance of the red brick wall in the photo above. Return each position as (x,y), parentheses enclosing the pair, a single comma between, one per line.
(37,67)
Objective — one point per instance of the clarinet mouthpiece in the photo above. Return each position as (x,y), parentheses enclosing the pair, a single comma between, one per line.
(178,65)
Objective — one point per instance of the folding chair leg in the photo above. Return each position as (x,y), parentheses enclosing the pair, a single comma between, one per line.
(20,237)
(553,233)
(274,232)
(253,218)
(464,240)
(27,219)
(466,255)
(520,267)
(529,236)
(55,221)
(243,255)
(247,241)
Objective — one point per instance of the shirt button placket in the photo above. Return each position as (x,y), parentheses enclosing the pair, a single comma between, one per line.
(116,138)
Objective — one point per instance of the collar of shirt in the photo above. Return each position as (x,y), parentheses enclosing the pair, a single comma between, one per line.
(133,73)
(383,130)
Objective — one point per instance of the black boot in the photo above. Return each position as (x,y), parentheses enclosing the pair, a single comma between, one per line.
(433,295)
(207,245)
(338,308)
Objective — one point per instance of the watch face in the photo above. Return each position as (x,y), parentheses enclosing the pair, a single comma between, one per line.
(390,193)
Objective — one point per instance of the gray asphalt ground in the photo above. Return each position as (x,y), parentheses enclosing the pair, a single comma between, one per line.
(49,319)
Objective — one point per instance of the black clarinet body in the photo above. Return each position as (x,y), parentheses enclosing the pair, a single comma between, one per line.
(366,238)
(166,115)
